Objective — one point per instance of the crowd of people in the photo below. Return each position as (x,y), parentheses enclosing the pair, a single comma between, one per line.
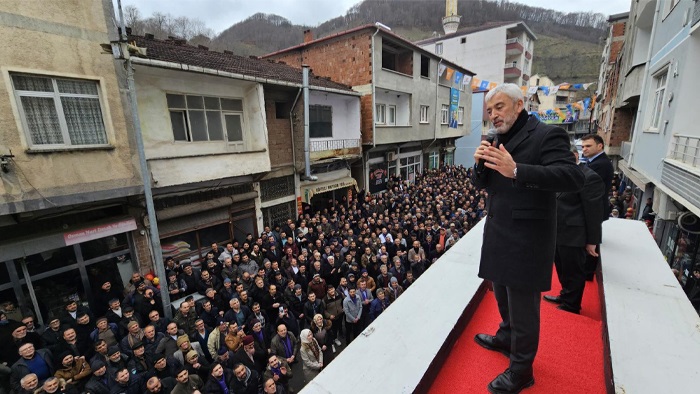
(250,310)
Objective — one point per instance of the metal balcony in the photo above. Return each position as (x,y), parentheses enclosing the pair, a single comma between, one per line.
(338,148)
(686,149)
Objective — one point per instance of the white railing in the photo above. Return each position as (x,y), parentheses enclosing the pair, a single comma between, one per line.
(686,149)
(511,64)
(625,149)
(319,146)
(512,41)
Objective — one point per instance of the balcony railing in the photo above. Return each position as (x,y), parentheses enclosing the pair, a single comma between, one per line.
(323,145)
(625,149)
(686,149)
(512,40)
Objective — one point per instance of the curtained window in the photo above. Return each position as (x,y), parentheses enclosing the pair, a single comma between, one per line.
(59,111)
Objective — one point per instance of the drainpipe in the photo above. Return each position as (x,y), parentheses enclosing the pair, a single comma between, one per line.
(374,92)
(145,173)
(638,125)
(307,155)
(291,127)
(437,102)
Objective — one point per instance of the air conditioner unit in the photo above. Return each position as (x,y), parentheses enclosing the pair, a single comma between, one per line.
(391,156)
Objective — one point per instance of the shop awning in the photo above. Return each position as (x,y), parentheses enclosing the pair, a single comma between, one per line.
(316,188)
(637,178)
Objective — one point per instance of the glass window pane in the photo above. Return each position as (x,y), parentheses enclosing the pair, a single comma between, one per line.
(47,261)
(103,246)
(216,129)
(34,84)
(195,102)
(84,120)
(42,120)
(177,118)
(231,104)
(175,100)
(53,292)
(212,103)
(198,126)
(76,87)
(234,127)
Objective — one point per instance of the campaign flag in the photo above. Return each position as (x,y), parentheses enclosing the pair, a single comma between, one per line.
(553,90)
(448,74)
(586,85)
(458,78)
(586,102)
(466,80)
(454,107)
(441,69)
(476,82)
(578,86)
(484,85)
(532,90)
(545,89)
(492,85)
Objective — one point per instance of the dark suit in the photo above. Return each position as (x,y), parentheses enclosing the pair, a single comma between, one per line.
(578,224)
(520,231)
(603,167)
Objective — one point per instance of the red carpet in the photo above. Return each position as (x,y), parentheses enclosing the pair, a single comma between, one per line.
(569,360)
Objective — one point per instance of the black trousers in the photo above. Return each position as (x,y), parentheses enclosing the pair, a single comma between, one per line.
(352,331)
(570,262)
(520,325)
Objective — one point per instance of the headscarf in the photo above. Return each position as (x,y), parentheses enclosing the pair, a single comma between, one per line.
(310,343)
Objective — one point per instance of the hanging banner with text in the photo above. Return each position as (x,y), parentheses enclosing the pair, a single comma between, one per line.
(378,177)
(97,232)
(454,108)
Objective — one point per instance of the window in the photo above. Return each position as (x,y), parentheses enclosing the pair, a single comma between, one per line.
(424,66)
(320,121)
(463,40)
(391,115)
(409,167)
(204,118)
(380,114)
(438,48)
(460,115)
(445,114)
(60,112)
(389,60)
(449,158)
(424,114)
(659,85)
(433,160)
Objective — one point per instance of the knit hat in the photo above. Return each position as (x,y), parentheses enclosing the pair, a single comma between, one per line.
(227,280)
(182,339)
(96,364)
(393,280)
(247,340)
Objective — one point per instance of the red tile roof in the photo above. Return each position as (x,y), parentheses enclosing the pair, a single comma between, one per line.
(177,51)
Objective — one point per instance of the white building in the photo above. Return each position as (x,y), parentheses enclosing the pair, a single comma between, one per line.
(497,52)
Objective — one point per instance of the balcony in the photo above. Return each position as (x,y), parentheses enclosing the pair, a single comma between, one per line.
(528,55)
(686,149)
(514,47)
(511,70)
(625,149)
(336,148)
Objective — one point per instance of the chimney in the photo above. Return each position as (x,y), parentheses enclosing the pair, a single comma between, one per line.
(308,36)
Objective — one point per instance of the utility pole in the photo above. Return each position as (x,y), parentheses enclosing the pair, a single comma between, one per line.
(156,249)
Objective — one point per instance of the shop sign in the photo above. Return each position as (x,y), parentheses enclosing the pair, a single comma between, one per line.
(332,186)
(378,178)
(101,231)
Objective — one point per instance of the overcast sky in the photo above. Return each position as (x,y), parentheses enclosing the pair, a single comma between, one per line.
(221,14)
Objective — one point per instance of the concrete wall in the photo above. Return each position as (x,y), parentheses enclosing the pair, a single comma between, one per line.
(177,162)
(61,39)
(278,129)
(484,53)
(346,113)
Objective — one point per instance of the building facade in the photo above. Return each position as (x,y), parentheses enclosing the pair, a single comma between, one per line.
(68,180)
(497,52)
(661,159)
(405,99)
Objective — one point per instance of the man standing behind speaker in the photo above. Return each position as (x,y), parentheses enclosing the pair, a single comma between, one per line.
(524,169)
(593,148)
(579,220)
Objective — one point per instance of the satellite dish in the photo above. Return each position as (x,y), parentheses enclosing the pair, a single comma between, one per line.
(689,223)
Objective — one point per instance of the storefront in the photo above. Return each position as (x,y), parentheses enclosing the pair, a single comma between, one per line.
(42,273)
(318,195)
(410,163)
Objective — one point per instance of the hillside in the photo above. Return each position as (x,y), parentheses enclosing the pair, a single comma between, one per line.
(568,48)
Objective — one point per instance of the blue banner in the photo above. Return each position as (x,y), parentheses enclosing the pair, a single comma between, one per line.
(454,107)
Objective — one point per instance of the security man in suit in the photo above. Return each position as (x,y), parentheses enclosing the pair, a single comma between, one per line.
(579,228)
(593,148)
(524,168)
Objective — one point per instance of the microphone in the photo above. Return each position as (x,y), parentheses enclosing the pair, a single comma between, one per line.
(490,137)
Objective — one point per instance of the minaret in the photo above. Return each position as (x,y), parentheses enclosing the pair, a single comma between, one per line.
(450,22)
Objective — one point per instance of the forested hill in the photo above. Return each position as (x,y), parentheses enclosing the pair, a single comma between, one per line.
(569,46)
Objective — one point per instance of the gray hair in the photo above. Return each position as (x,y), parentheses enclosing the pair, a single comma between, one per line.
(509,89)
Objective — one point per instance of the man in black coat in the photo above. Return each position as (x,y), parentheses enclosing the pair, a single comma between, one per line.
(524,168)
(593,148)
(579,228)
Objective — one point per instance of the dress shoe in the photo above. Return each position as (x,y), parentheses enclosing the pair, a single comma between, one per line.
(489,342)
(552,299)
(567,309)
(510,382)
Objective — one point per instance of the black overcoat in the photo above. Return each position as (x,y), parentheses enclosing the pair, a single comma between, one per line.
(520,229)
